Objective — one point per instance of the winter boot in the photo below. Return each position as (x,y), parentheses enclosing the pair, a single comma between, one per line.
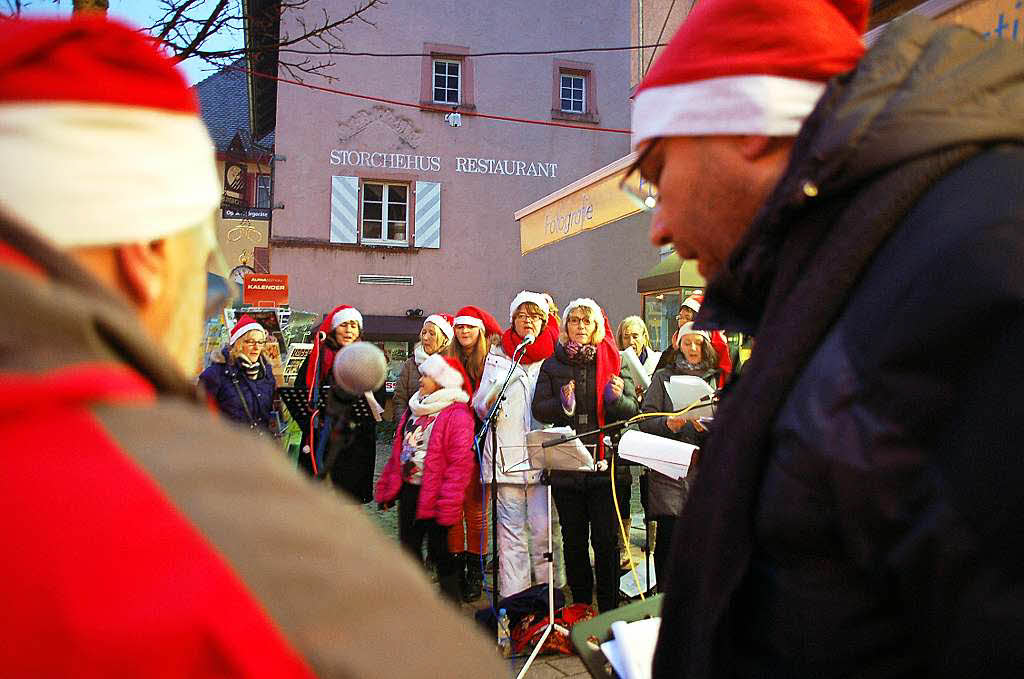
(451,587)
(474,577)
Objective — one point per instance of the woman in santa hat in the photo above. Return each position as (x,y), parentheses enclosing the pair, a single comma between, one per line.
(475,329)
(240,380)
(522,514)
(688,311)
(580,387)
(430,466)
(342,440)
(435,334)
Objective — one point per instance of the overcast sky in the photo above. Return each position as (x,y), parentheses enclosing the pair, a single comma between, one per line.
(138,13)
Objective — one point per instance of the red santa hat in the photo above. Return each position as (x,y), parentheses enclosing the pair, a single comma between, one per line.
(444,322)
(693,302)
(244,325)
(539,298)
(477,317)
(748,67)
(345,313)
(446,371)
(100,135)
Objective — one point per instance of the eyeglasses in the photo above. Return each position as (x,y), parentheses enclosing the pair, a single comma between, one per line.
(643,192)
(254,343)
(522,316)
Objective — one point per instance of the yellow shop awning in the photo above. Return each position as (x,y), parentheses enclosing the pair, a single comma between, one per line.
(671,272)
(586,204)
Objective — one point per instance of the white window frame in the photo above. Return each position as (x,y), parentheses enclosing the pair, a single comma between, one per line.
(385,193)
(572,89)
(458,79)
(263,181)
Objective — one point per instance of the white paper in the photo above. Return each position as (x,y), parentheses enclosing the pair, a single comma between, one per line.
(685,390)
(627,585)
(631,649)
(636,368)
(375,408)
(570,455)
(668,456)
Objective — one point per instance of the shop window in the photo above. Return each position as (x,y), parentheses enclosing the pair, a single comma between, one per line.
(447,81)
(660,309)
(262,191)
(385,214)
(573,92)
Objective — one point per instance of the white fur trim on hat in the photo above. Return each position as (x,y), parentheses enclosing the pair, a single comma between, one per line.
(436,368)
(469,320)
(345,315)
(238,333)
(691,303)
(743,104)
(688,329)
(442,324)
(595,310)
(537,298)
(88,174)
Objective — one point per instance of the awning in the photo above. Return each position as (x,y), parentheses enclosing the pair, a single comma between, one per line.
(671,272)
(586,204)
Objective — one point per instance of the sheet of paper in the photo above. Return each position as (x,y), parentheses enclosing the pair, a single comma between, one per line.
(690,390)
(668,456)
(570,455)
(627,585)
(632,647)
(636,368)
(375,408)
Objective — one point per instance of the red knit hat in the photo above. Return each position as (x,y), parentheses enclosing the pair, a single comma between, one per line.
(444,322)
(88,107)
(244,325)
(748,67)
(446,371)
(475,316)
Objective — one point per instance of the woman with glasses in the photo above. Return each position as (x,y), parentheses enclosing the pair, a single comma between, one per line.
(522,513)
(239,378)
(580,387)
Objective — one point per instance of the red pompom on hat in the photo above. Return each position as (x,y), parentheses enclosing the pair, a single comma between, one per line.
(244,325)
(748,67)
(89,106)
(446,371)
(444,322)
(475,316)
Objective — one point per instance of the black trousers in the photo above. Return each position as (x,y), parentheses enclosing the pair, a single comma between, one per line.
(663,548)
(586,511)
(411,532)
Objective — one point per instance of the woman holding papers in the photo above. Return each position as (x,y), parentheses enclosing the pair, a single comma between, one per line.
(580,387)
(522,505)
(666,496)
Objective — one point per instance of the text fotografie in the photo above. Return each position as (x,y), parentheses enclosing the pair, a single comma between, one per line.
(406,161)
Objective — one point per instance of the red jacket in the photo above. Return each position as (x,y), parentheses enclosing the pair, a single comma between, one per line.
(447,468)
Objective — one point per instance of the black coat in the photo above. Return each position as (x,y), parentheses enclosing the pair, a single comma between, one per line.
(858,509)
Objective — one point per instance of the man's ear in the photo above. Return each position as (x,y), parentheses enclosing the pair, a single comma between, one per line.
(143,270)
(754,147)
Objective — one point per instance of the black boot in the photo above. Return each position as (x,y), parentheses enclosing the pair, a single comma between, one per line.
(458,563)
(474,577)
(451,587)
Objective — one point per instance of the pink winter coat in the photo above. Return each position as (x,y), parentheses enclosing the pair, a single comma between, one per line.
(446,470)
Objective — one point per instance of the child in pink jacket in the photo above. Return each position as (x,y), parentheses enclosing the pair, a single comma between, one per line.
(430,465)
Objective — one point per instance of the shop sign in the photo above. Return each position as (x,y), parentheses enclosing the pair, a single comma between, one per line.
(992,18)
(507,167)
(265,289)
(232,212)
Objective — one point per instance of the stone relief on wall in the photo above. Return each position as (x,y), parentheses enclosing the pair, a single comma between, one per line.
(408,135)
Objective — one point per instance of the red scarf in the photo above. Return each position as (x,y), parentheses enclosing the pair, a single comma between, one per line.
(542,347)
(609,362)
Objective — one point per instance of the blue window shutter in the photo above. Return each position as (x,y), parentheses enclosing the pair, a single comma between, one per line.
(428,215)
(344,209)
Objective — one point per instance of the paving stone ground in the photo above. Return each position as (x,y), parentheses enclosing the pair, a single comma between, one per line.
(547,666)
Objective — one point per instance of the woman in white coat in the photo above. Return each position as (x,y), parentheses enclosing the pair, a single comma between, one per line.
(521,501)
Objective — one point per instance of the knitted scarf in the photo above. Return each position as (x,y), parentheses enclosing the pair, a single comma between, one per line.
(251,369)
(542,347)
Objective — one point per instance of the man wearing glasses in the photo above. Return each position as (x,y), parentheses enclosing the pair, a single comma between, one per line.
(144,536)
(860,213)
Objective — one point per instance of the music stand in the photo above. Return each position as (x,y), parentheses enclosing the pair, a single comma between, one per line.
(296,400)
(564,456)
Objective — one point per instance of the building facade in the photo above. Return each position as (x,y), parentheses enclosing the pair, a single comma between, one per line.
(402,212)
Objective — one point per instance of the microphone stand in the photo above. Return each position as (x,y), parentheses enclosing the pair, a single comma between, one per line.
(488,425)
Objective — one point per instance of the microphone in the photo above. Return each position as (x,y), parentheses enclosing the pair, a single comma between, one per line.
(527,341)
(360,367)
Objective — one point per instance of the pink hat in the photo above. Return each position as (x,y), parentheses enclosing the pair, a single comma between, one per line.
(244,325)
(748,67)
(88,107)
(444,322)
(475,316)
(445,370)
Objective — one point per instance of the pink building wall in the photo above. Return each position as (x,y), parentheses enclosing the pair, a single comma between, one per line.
(478,261)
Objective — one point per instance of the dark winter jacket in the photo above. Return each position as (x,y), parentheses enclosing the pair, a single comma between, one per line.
(146,537)
(555,373)
(858,509)
(220,379)
(665,495)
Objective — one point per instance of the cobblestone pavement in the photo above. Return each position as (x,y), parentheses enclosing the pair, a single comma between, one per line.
(548,666)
